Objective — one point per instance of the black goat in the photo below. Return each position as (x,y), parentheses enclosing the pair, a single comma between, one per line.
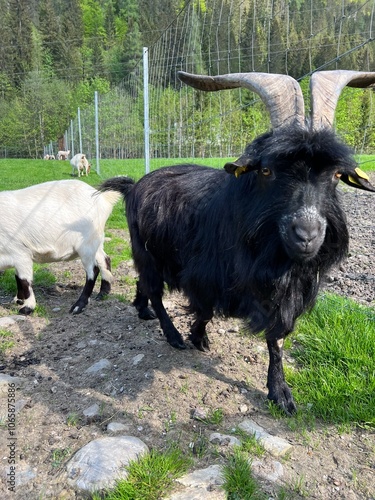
(253,246)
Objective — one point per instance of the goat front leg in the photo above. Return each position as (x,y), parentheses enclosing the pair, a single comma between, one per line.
(25,295)
(278,390)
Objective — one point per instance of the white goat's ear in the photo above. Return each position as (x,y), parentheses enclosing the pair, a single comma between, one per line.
(358,179)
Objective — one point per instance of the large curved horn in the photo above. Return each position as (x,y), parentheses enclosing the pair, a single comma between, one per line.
(280,93)
(325,90)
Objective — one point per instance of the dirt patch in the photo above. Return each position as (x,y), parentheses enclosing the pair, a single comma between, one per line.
(153,389)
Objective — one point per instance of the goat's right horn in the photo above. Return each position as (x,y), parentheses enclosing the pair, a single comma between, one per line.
(325,90)
(280,93)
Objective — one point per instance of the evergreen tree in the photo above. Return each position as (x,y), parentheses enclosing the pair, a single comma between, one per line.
(20,38)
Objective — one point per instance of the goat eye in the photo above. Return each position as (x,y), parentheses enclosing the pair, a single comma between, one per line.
(337,175)
(266,171)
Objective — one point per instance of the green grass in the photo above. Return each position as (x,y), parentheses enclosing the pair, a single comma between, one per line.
(6,341)
(366,162)
(335,351)
(151,477)
(239,482)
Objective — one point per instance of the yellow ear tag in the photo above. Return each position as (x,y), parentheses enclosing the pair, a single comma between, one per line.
(362,174)
(354,181)
(239,171)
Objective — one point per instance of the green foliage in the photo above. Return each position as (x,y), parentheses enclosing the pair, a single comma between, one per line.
(250,444)
(151,477)
(335,351)
(6,341)
(59,53)
(239,482)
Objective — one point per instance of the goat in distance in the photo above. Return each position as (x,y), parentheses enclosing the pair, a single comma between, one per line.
(252,240)
(80,164)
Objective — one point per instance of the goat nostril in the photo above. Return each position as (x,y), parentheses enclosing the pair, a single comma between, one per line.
(306,233)
(306,236)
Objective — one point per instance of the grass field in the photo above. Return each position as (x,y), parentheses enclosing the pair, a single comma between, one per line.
(333,379)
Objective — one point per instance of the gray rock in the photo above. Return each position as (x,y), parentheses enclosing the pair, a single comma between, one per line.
(24,475)
(92,410)
(98,366)
(275,445)
(102,462)
(199,414)
(202,484)
(137,359)
(117,427)
(11,320)
(224,439)
(272,471)
(5,380)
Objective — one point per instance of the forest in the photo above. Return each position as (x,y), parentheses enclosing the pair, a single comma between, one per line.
(56,53)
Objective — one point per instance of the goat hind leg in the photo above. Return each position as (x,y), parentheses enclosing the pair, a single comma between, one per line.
(105,269)
(198,334)
(83,300)
(152,287)
(141,304)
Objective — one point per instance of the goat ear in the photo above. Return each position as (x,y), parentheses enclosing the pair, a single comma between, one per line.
(239,167)
(358,179)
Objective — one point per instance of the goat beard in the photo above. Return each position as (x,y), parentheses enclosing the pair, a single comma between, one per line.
(279,289)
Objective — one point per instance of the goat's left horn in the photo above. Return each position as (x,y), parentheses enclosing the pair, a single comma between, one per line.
(280,93)
(325,90)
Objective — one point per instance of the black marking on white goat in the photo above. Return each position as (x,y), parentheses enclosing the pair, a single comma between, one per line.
(254,244)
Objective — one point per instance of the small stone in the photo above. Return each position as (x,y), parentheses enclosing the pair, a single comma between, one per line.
(199,414)
(6,380)
(116,427)
(275,445)
(137,359)
(98,366)
(224,439)
(92,410)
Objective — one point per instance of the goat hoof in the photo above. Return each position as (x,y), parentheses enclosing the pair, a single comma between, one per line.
(101,296)
(146,314)
(285,402)
(26,311)
(177,344)
(202,344)
(76,309)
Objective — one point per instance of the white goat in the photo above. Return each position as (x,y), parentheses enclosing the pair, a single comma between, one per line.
(80,163)
(62,155)
(55,221)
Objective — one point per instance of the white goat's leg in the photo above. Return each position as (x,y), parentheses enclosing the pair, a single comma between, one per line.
(25,295)
(104,264)
(83,300)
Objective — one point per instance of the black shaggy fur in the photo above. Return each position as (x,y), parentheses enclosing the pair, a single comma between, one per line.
(253,247)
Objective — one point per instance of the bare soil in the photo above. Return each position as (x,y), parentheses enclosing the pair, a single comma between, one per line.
(155,395)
